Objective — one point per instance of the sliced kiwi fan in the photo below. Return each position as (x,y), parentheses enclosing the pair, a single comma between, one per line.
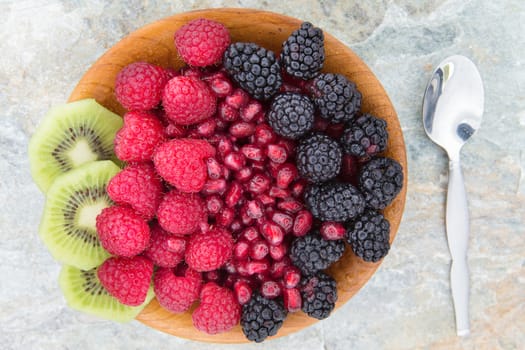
(68,226)
(84,292)
(69,136)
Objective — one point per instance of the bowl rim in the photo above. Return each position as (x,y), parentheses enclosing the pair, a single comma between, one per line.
(95,83)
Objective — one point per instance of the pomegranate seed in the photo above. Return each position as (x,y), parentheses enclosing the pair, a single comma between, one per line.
(229,267)
(291,277)
(264,135)
(238,98)
(277,153)
(252,152)
(335,130)
(259,249)
(234,161)
(214,204)
(278,267)
(176,244)
(259,183)
(273,168)
(206,128)
(191,72)
(250,234)
(227,112)
(236,226)
(266,199)
(277,252)
(292,299)
(298,188)
(283,220)
(286,174)
(270,289)
(260,266)
(226,173)
(175,131)
(214,168)
(242,267)
(302,223)
(332,230)
(321,124)
(287,87)
(259,166)
(204,226)
(273,233)
(233,194)
(214,187)
(290,205)
(241,250)
(221,125)
(245,218)
(254,208)
(193,134)
(277,192)
(213,276)
(250,111)
(243,292)
(225,217)
(242,129)
(349,169)
(221,87)
(224,146)
(289,146)
(244,174)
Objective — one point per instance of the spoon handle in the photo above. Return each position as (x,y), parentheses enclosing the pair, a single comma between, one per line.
(457,224)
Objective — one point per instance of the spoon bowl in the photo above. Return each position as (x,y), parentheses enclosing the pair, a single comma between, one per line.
(452,111)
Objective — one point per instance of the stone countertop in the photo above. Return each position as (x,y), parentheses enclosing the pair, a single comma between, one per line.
(46,47)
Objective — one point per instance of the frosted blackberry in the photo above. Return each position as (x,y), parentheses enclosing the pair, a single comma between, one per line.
(312,253)
(319,294)
(318,158)
(254,68)
(336,98)
(335,201)
(365,136)
(291,115)
(262,317)
(369,235)
(380,180)
(302,54)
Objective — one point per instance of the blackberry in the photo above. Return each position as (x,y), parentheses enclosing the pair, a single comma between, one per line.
(319,294)
(369,236)
(318,158)
(254,68)
(291,115)
(262,317)
(302,54)
(336,201)
(365,136)
(312,253)
(336,98)
(380,180)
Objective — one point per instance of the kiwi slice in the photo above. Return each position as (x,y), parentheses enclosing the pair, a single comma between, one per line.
(68,226)
(84,292)
(71,135)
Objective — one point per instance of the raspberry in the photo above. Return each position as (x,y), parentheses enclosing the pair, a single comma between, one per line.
(138,186)
(164,249)
(127,279)
(181,213)
(218,310)
(209,251)
(181,163)
(137,139)
(139,86)
(122,231)
(176,293)
(202,42)
(188,100)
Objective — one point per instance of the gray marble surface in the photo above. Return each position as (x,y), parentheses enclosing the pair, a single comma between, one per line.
(46,46)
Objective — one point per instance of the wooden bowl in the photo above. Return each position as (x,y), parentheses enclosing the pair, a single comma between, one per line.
(154,43)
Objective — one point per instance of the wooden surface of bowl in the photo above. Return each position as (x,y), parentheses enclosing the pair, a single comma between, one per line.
(154,43)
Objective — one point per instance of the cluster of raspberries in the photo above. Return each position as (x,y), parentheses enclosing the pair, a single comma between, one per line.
(245,174)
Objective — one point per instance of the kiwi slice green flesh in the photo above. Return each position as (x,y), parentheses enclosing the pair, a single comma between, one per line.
(71,135)
(84,292)
(68,226)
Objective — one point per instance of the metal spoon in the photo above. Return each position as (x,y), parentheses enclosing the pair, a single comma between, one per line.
(452,111)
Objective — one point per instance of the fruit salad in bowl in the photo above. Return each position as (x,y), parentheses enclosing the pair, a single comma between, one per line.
(222,175)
